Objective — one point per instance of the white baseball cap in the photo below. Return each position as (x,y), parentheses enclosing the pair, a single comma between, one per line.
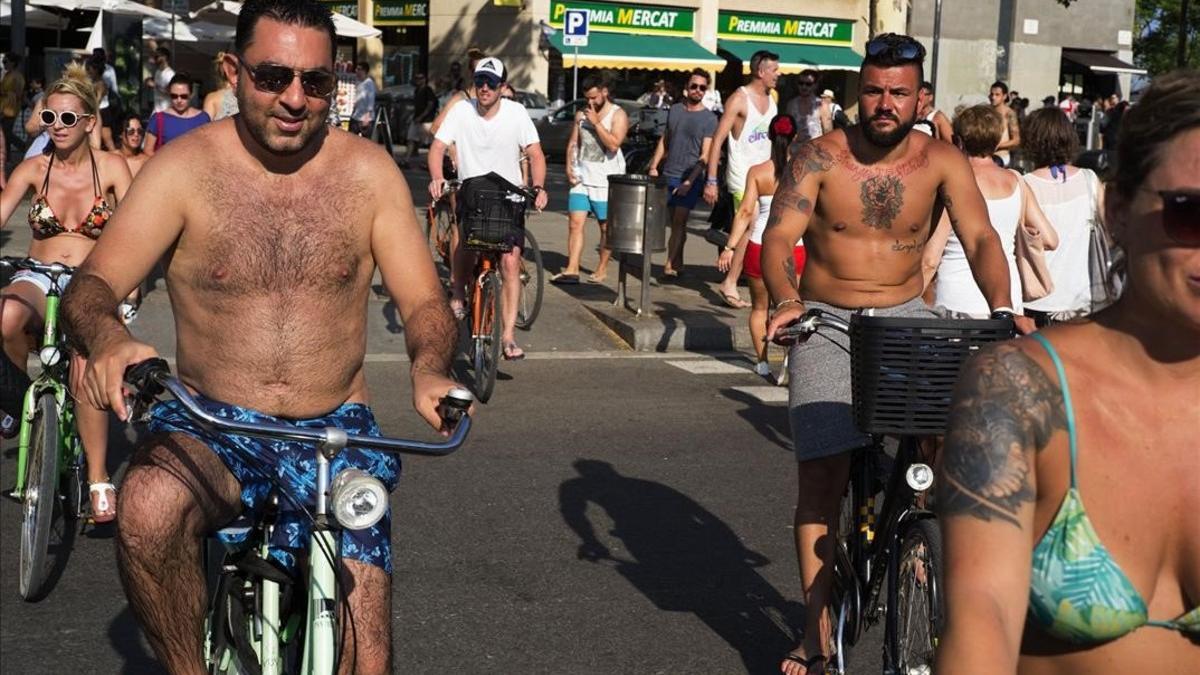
(827,93)
(492,68)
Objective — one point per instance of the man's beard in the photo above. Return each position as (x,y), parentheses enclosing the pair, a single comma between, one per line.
(256,126)
(888,139)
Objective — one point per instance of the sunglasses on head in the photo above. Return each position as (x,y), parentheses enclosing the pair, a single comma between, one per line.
(481,82)
(69,118)
(275,79)
(1181,216)
(698,87)
(904,50)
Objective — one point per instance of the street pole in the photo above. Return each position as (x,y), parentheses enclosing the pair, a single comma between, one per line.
(172,34)
(937,39)
(18,30)
(1181,54)
(575,86)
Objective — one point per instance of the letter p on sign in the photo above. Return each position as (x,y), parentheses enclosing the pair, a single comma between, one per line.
(575,28)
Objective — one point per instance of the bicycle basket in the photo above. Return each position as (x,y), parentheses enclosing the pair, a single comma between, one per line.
(903,370)
(493,217)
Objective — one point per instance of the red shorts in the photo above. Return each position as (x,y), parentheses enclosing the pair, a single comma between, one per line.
(752,267)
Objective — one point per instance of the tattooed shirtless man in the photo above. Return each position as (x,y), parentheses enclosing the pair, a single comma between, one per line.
(271,225)
(865,201)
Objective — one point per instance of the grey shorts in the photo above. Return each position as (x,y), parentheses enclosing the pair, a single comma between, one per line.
(819,395)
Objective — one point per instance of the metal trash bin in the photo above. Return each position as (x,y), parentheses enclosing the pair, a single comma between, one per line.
(637,214)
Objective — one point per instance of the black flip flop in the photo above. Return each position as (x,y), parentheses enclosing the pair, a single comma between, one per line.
(565,279)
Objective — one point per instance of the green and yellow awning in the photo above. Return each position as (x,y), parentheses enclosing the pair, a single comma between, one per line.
(651,52)
(794,58)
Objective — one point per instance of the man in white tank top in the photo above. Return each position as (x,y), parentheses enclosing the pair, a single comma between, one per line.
(748,113)
(930,120)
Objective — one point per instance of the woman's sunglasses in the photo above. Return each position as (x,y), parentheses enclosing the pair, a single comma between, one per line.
(275,79)
(134,130)
(1181,216)
(69,118)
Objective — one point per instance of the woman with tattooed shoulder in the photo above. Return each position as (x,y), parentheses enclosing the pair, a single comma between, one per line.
(1070,483)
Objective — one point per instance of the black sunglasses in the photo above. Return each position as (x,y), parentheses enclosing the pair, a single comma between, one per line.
(275,79)
(486,82)
(806,83)
(69,118)
(1181,216)
(134,130)
(700,87)
(904,50)
(180,97)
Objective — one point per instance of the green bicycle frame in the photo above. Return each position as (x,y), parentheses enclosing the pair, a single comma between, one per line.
(48,379)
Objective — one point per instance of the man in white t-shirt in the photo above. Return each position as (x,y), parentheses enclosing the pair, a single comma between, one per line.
(489,134)
(364,100)
(162,78)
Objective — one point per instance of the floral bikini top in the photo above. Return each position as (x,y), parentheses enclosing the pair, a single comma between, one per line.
(1078,593)
(45,223)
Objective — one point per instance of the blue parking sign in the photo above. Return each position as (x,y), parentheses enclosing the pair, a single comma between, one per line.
(575,28)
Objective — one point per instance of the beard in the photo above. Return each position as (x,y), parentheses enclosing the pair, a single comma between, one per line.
(891,138)
(258,124)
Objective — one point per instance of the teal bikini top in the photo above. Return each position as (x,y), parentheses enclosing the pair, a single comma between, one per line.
(1078,593)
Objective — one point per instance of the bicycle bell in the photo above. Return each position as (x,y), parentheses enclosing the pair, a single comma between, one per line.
(919,477)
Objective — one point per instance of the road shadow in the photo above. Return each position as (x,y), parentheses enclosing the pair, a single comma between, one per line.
(770,421)
(125,636)
(683,558)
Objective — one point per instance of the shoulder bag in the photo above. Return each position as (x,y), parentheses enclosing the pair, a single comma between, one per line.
(1105,285)
(1031,258)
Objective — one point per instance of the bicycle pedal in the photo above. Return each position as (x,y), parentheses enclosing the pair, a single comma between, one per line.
(12,494)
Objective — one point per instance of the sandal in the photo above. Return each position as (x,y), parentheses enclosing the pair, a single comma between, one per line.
(734,300)
(810,662)
(564,278)
(104,508)
(513,352)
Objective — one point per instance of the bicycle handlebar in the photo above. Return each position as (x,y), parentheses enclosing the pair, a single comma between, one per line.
(811,322)
(152,376)
(34,265)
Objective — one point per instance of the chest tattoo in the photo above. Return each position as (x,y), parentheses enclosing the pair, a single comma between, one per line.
(882,198)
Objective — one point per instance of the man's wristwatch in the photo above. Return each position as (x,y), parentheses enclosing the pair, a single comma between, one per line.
(727,247)
(536,189)
(1004,313)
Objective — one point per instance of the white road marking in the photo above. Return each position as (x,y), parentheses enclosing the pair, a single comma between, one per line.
(765,394)
(711,367)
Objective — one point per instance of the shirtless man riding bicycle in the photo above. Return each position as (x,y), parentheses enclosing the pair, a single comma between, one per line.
(865,201)
(272,225)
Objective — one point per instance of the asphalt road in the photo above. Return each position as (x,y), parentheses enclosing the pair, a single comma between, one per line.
(613,512)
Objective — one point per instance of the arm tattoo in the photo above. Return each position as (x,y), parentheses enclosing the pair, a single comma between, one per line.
(808,158)
(882,198)
(789,268)
(944,195)
(430,335)
(89,312)
(1004,406)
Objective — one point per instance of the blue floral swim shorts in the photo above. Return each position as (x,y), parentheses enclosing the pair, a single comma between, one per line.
(294,465)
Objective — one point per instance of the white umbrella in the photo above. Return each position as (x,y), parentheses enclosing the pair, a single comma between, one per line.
(96,39)
(34,17)
(342,24)
(192,31)
(114,6)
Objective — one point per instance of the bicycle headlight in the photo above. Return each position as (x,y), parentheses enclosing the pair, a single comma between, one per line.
(358,500)
(919,477)
(49,356)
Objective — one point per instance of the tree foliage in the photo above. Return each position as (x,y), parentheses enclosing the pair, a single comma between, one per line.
(1156,34)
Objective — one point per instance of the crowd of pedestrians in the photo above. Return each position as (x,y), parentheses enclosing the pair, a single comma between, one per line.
(828,214)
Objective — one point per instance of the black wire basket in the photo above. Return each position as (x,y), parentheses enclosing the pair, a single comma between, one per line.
(494,221)
(903,370)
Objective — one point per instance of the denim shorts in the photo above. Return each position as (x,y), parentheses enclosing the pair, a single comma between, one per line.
(255,462)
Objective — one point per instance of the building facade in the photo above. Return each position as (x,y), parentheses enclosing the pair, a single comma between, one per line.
(1038,47)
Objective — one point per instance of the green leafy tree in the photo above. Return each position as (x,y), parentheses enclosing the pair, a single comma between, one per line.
(1157,32)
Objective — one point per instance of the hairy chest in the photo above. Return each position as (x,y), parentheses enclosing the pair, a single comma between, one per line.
(278,238)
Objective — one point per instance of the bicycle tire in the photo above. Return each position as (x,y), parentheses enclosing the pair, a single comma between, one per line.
(916,613)
(39,501)
(533,283)
(487,339)
(847,593)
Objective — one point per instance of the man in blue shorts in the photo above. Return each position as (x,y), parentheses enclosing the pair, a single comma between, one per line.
(685,144)
(271,225)
(593,154)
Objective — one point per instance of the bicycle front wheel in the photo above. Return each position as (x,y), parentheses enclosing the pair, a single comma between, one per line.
(533,283)
(439,225)
(487,337)
(916,615)
(39,500)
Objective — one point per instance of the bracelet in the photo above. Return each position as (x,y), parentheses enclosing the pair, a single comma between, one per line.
(727,247)
(788,301)
(710,181)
